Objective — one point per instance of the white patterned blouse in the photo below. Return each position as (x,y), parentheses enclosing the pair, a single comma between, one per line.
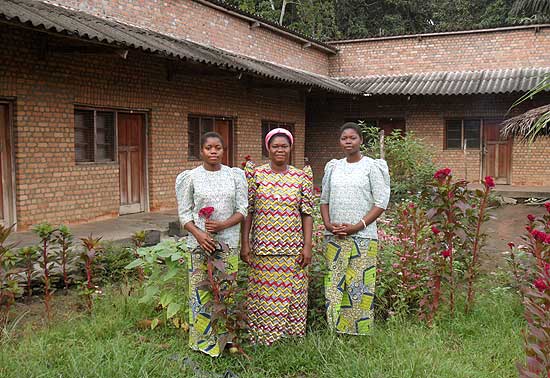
(352,189)
(225,190)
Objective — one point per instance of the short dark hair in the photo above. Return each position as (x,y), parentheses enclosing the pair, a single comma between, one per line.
(211,134)
(279,135)
(352,126)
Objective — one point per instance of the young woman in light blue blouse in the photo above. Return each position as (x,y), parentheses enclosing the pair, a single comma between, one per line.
(211,184)
(355,192)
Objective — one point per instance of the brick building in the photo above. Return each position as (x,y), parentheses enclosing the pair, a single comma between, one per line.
(102,103)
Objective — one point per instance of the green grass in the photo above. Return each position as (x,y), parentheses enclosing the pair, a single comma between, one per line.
(486,343)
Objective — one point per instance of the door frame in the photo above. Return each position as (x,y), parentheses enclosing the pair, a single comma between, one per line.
(510,141)
(145,146)
(8,167)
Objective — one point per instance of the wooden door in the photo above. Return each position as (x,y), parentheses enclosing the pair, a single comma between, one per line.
(7,212)
(497,153)
(225,129)
(131,158)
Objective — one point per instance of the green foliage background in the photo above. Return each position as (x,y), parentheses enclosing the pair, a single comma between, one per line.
(336,19)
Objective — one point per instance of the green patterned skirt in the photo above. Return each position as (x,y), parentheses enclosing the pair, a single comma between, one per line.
(350,283)
(201,336)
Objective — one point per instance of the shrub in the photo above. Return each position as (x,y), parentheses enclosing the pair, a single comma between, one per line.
(409,160)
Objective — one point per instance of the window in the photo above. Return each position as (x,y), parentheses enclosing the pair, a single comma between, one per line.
(267,126)
(94,136)
(199,125)
(458,132)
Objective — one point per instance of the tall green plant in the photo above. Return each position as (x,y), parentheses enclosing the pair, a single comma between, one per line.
(45,233)
(27,258)
(64,238)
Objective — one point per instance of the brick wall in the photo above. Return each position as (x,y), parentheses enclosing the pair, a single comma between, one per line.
(453,52)
(188,19)
(425,116)
(50,186)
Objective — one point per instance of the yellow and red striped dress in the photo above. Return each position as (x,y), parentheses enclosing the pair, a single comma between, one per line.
(277,285)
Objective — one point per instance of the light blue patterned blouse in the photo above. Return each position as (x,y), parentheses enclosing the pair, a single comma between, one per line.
(352,189)
(225,190)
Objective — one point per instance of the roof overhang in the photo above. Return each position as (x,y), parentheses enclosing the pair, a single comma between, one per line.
(69,22)
(450,83)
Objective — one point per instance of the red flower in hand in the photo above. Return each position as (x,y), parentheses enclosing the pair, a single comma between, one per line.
(206,212)
(489,182)
(442,174)
(540,284)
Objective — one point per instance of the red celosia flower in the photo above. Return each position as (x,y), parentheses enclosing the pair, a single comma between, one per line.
(442,174)
(435,230)
(528,228)
(206,212)
(411,205)
(547,205)
(446,253)
(540,236)
(531,217)
(489,182)
(540,284)
(248,158)
(511,245)
(406,212)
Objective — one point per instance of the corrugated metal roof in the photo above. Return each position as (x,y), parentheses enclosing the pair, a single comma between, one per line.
(450,83)
(83,25)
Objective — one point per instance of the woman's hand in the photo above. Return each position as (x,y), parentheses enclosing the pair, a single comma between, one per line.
(205,241)
(305,257)
(336,229)
(349,229)
(215,226)
(245,253)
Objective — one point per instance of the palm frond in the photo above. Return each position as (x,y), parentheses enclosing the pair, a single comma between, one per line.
(531,7)
(529,125)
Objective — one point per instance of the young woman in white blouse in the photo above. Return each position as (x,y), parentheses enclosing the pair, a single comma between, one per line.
(224,189)
(355,192)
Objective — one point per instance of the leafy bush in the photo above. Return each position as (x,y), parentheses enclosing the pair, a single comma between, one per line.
(409,160)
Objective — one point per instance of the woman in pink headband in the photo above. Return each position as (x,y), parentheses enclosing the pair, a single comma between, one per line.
(280,217)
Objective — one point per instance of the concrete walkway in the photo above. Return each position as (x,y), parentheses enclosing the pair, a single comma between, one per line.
(116,229)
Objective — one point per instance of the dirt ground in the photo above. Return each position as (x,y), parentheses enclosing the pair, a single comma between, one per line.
(507,225)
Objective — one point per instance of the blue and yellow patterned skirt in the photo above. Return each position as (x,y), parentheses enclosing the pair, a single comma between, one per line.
(350,283)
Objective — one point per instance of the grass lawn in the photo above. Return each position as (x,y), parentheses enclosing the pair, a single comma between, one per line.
(108,343)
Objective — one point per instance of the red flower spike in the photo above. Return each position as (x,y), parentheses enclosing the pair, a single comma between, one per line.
(489,182)
(540,284)
(446,253)
(511,245)
(435,230)
(248,158)
(206,212)
(531,217)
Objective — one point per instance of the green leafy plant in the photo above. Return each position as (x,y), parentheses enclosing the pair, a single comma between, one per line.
(409,160)
(89,255)
(166,283)
(27,258)
(138,239)
(9,287)
(45,233)
(64,238)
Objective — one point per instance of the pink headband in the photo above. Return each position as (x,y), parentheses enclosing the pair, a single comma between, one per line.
(278,131)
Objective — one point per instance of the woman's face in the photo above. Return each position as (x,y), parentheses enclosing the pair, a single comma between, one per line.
(212,151)
(350,141)
(279,149)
